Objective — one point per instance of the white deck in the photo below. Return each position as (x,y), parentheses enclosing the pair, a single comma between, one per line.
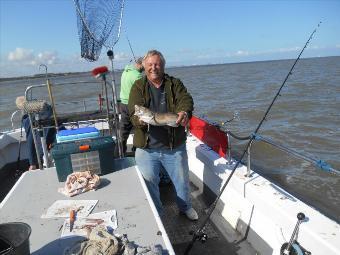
(124,191)
(260,211)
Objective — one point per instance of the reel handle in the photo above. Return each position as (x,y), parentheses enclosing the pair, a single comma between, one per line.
(301,217)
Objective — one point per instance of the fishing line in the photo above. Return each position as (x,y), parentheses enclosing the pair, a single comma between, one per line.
(199,233)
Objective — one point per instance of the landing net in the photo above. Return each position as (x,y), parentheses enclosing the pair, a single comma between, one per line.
(99,23)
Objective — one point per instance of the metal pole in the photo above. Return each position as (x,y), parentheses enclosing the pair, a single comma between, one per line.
(49,87)
(229,149)
(107,104)
(248,160)
(35,142)
(115,107)
(44,146)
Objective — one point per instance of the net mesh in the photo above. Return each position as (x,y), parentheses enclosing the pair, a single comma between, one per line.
(99,23)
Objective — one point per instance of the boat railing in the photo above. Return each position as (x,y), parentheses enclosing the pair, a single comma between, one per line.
(12,117)
(84,103)
(242,138)
(60,119)
(323,165)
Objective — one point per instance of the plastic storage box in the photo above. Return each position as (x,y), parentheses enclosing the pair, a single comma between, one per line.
(94,154)
(77,134)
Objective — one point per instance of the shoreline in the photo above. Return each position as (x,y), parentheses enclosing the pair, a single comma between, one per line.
(36,76)
(43,75)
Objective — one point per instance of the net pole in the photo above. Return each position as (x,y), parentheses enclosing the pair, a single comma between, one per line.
(36,147)
(115,107)
(107,104)
(35,142)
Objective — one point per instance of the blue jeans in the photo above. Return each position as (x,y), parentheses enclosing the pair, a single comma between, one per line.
(50,137)
(175,162)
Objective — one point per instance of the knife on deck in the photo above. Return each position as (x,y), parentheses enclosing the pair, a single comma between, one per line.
(72,219)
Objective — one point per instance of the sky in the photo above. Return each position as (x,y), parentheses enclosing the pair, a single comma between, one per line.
(187,32)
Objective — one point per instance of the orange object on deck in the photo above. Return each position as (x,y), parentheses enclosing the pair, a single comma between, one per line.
(84,147)
(72,219)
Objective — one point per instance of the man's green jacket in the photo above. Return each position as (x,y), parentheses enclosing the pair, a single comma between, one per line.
(178,99)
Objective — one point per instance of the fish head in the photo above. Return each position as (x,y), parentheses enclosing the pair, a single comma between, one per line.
(143,113)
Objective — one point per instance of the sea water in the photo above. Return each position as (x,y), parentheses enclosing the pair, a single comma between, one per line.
(305,117)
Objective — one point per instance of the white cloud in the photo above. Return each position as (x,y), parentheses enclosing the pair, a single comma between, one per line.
(315,47)
(47,57)
(121,56)
(241,53)
(205,56)
(292,49)
(28,57)
(22,61)
(21,54)
(280,50)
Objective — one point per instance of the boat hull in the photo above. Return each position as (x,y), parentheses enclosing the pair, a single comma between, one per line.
(252,210)
(261,212)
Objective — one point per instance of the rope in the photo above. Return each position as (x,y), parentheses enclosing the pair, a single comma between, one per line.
(317,162)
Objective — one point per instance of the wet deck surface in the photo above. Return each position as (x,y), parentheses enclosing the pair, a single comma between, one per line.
(178,227)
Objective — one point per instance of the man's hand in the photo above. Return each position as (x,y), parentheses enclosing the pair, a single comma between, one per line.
(182,119)
(142,123)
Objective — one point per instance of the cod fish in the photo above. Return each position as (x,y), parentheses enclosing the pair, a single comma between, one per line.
(154,118)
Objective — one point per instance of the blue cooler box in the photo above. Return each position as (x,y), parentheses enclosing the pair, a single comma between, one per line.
(93,154)
(68,135)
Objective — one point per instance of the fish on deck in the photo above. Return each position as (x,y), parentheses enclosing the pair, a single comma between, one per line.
(154,118)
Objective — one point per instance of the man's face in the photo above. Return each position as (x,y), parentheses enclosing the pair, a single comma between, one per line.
(154,70)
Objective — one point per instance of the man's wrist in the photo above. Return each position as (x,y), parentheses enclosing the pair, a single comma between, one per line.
(185,113)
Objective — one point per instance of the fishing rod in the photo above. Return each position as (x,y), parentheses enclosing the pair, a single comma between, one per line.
(133,54)
(199,233)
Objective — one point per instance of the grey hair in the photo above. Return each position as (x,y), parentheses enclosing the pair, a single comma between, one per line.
(153,53)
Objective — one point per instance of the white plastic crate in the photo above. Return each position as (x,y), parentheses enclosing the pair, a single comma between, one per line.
(86,161)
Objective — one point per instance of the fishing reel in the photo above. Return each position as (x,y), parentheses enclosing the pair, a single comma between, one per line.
(293,247)
(199,235)
(296,249)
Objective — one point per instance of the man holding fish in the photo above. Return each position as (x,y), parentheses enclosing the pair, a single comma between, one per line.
(160,107)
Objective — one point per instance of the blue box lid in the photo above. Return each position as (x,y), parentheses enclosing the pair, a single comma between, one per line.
(77,131)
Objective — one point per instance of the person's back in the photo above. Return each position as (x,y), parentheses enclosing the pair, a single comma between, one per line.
(49,133)
(130,74)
